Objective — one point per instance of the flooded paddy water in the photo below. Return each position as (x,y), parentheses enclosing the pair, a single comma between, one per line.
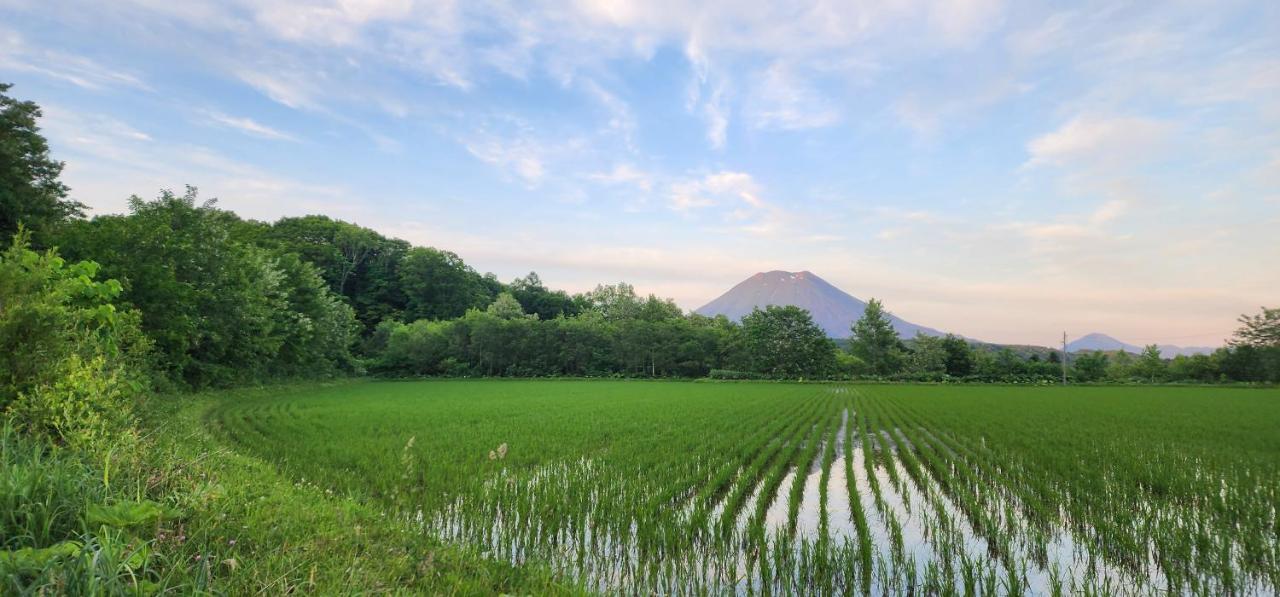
(854,496)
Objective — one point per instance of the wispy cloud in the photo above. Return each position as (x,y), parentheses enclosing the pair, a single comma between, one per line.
(248,126)
(18,55)
(624,174)
(782,100)
(521,157)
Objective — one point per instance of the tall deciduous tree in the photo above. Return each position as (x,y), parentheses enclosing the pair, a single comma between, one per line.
(30,192)
(440,285)
(785,342)
(959,359)
(507,307)
(1150,365)
(539,300)
(1090,365)
(875,341)
(928,356)
(1258,331)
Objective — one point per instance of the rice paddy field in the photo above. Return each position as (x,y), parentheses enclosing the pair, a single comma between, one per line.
(676,487)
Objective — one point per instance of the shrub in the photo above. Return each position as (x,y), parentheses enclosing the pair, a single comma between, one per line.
(70,363)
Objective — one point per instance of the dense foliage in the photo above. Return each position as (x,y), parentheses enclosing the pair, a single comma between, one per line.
(785,342)
(72,365)
(618,333)
(220,310)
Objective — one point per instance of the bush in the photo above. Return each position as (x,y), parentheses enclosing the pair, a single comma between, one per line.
(70,363)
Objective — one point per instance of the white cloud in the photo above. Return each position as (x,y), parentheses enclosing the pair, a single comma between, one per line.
(290,89)
(249,126)
(621,120)
(17,55)
(322,22)
(1098,140)
(1109,211)
(735,201)
(108,160)
(963,22)
(521,157)
(929,116)
(624,174)
(725,189)
(1031,43)
(782,100)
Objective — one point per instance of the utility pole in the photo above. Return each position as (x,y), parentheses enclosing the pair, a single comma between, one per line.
(1064,358)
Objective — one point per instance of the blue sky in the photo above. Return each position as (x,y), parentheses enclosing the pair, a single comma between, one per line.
(1002,170)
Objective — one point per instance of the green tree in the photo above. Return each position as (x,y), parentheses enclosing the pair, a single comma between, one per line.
(1253,354)
(220,311)
(1198,367)
(339,249)
(440,285)
(1259,331)
(31,193)
(1121,367)
(1090,366)
(539,300)
(1150,365)
(785,342)
(959,358)
(614,302)
(875,341)
(928,356)
(358,263)
(318,326)
(507,307)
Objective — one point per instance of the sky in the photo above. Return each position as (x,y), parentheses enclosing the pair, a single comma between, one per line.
(1002,170)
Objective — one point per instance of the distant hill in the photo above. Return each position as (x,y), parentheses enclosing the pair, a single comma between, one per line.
(1105,343)
(834,310)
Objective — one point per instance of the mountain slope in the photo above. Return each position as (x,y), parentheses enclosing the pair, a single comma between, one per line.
(1103,342)
(833,309)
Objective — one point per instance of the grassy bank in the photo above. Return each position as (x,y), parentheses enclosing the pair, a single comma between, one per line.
(209,519)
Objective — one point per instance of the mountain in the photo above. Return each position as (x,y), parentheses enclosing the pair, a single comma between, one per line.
(834,310)
(1169,350)
(1103,342)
